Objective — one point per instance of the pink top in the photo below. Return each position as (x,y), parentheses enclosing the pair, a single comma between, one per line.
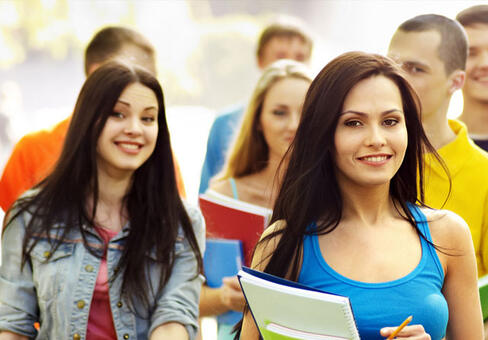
(100,322)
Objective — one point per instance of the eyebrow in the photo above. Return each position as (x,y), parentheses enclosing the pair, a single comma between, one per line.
(365,114)
(128,104)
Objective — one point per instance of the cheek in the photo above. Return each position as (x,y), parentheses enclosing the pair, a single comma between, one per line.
(267,126)
(470,64)
(400,140)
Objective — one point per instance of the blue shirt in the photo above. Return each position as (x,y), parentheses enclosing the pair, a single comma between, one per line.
(219,139)
(57,289)
(378,305)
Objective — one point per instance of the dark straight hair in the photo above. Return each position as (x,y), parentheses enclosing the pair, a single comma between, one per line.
(155,209)
(309,191)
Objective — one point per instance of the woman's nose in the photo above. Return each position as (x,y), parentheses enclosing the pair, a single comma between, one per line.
(133,126)
(375,137)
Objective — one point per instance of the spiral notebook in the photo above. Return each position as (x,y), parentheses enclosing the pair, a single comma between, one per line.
(284,309)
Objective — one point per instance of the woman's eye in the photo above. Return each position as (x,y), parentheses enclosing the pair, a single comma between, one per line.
(279,112)
(148,119)
(390,122)
(117,114)
(352,123)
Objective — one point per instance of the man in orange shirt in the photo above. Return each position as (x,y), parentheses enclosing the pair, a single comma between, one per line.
(35,155)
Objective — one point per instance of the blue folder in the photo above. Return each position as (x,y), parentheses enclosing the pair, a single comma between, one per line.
(222,258)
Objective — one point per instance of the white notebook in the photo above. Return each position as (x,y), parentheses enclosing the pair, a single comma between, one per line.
(283,309)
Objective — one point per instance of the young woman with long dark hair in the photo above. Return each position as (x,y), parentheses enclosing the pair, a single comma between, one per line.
(104,247)
(349,217)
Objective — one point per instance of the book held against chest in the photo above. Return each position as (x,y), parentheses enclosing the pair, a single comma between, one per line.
(284,310)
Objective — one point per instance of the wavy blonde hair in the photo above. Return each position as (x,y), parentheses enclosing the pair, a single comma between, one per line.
(249,152)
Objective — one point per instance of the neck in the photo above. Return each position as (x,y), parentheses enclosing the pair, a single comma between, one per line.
(271,179)
(367,211)
(475,116)
(111,213)
(437,128)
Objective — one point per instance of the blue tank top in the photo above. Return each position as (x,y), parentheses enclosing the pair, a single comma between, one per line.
(378,305)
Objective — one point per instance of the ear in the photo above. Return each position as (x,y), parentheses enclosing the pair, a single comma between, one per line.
(93,67)
(456,81)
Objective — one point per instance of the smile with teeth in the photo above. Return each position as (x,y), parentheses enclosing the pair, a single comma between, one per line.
(128,146)
(375,159)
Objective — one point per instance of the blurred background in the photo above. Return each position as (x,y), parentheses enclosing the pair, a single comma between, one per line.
(205,51)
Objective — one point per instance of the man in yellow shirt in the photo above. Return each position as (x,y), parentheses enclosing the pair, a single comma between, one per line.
(432,50)
(475,90)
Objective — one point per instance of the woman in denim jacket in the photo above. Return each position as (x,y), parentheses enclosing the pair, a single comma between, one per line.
(104,248)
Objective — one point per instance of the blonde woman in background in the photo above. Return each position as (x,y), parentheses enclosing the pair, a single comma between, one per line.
(267,130)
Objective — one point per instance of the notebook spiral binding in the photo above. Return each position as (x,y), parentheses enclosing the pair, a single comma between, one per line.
(347,310)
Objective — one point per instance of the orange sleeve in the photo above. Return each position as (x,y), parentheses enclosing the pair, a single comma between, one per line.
(32,159)
(17,176)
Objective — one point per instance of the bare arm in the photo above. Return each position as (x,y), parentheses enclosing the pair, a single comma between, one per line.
(5,335)
(260,259)
(170,331)
(460,280)
(460,283)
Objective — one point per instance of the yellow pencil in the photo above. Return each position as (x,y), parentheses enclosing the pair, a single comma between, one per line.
(399,328)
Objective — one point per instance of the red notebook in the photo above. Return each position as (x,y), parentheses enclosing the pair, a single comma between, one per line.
(232,219)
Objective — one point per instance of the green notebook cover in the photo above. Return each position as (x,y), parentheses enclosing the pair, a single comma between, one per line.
(483,287)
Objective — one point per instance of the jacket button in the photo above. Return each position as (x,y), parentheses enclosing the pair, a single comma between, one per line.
(119,304)
(126,336)
(89,268)
(80,304)
(76,336)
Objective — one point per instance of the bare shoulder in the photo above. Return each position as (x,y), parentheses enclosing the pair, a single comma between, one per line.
(447,228)
(267,244)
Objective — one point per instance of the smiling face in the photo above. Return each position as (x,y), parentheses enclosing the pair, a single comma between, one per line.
(281,112)
(417,54)
(476,86)
(129,136)
(371,135)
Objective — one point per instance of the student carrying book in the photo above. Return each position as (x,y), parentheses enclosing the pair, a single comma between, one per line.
(268,127)
(347,219)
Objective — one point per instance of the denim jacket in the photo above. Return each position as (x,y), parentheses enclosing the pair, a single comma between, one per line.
(58,292)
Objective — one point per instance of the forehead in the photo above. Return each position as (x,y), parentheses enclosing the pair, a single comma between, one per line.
(374,93)
(287,42)
(287,89)
(477,34)
(419,47)
(138,95)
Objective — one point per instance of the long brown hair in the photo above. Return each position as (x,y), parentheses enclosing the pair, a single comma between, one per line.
(309,192)
(156,212)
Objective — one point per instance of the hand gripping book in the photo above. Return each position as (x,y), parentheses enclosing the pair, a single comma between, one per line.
(232,219)
(222,258)
(285,310)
